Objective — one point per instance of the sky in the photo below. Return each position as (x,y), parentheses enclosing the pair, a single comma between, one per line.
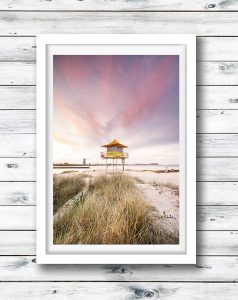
(131,98)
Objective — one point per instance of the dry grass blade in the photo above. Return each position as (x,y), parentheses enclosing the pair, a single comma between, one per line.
(64,188)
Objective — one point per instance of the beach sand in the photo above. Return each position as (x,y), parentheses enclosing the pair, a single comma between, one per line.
(163,199)
(148,176)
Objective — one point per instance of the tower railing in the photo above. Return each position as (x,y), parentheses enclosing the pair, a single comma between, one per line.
(114,155)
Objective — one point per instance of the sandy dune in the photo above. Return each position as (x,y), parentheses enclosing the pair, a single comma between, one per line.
(163,199)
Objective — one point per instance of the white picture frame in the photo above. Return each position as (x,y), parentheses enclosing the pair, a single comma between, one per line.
(183,45)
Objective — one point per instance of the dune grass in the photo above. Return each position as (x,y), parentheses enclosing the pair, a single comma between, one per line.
(138,180)
(168,185)
(65,187)
(113,212)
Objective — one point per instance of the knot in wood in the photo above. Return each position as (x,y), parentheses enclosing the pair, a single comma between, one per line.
(20,197)
(148,294)
(10,166)
(211,5)
(119,270)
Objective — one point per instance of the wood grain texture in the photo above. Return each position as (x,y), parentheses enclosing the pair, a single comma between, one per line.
(121,5)
(213,145)
(17,193)
(18,145)
(118,290)
(17,169)
(208,243)
(18,97)
(17,121)
(18,49)
(217,97)
(208,218)
(207,269)
(208,193)
(199,23)
(217,48)
(217,169)
(217,121)
(217,193)
(217,73)
(21,48)
(208,97)
(17,73)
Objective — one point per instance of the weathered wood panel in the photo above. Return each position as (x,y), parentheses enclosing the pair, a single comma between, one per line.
(17,121)
(18,49)
(217,193)
(207,269)
(200,23)
(213,145)
(208,97)
(18,145)
(217,169)
(21,48)
(217,48)
(208,193)
(18,97)
(17,169)
(118,290)
(208,218)
(217,121)
(17,73)
(217,73)
(208,242)
(217,217)
(217,97)
(17,193)
(208,121)
(18,218)
(208,145)
(121,5)
(17,242)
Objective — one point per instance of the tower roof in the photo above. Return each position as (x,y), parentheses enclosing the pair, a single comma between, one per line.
(114,143)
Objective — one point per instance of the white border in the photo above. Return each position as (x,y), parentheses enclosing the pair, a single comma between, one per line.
(185,47)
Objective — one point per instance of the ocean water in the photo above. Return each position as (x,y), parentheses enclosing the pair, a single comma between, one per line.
(102,169)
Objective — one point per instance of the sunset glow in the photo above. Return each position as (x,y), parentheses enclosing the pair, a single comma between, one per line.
(134,99)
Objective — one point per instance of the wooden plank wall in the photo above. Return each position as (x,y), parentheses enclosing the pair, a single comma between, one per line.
(215,276)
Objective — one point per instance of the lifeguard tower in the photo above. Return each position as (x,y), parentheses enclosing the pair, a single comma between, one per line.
(114,152)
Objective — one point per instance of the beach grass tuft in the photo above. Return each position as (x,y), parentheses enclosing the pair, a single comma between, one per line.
(138,180)
(112,212)
(168,185)
(66,187)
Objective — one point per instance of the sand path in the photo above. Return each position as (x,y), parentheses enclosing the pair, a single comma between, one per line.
(164,200)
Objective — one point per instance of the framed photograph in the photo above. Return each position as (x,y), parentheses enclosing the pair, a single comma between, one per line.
(116,149)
